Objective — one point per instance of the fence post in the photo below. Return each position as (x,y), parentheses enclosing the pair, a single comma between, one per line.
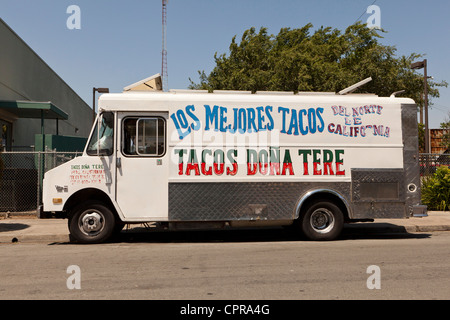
(38,182)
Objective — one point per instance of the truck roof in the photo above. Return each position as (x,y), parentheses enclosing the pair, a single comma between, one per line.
(119,101)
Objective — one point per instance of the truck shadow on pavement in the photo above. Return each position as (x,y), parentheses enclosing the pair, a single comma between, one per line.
(350,232)
(7,227)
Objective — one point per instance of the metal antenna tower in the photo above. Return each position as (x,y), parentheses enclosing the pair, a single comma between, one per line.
(164,72)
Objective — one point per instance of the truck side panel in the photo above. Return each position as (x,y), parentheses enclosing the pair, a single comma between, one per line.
(243,200)
(384,193)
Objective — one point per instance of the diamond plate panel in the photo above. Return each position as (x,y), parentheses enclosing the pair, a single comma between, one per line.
(409,123)
(373,208)
(377,177)
(241,201)
(380,210)
(411,155)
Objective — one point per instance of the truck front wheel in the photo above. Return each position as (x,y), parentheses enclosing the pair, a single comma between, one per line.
(321,220)
(91,222)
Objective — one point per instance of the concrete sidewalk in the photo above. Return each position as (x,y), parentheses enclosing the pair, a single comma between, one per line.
(31,229)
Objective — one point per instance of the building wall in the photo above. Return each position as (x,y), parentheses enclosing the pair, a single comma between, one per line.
(25,76)
(437,140)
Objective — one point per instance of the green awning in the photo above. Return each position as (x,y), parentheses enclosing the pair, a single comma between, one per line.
(34,110)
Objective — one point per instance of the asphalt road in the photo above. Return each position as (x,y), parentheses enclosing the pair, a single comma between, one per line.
(245,264)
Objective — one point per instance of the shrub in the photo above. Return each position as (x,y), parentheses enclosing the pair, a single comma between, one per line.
(436,190)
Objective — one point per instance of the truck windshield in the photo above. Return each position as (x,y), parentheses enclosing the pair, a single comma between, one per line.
(101,142)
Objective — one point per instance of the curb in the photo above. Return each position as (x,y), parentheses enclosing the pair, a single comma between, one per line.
(369,230)
(431,228)
(29,229)
(33,238)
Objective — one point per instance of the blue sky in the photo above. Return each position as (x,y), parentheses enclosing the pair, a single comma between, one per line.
(119,42)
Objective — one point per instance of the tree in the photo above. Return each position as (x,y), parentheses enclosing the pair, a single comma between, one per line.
(421,138)
(326,60)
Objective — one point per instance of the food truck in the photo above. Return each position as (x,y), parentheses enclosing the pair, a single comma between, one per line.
(312,161)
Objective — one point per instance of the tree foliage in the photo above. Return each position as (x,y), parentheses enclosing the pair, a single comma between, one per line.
(324,60)
(421,137)
(436,190)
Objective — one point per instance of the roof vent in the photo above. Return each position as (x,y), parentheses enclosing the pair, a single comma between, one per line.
(355,86)
(153,83)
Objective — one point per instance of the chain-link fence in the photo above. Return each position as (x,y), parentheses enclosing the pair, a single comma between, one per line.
(21,176)
(430,162)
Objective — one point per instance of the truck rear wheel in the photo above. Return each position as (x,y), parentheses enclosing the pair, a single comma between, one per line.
(91,222)
(321,220)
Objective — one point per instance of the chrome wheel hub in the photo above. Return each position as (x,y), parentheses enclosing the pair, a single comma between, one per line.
(322,220)
(91,223)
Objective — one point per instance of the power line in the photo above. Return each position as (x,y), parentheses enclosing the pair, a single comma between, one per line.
(365,11)
(433,106)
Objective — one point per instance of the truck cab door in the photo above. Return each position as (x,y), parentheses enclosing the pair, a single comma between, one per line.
(142,166)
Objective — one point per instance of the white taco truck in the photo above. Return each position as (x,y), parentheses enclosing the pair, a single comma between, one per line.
(311,160)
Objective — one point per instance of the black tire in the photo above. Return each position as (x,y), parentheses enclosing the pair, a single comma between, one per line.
(91,222)
(321,221)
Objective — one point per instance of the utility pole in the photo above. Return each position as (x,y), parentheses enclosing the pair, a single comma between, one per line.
(423,65)
(164,72)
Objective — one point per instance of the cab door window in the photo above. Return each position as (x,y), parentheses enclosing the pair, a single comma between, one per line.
(144,137)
